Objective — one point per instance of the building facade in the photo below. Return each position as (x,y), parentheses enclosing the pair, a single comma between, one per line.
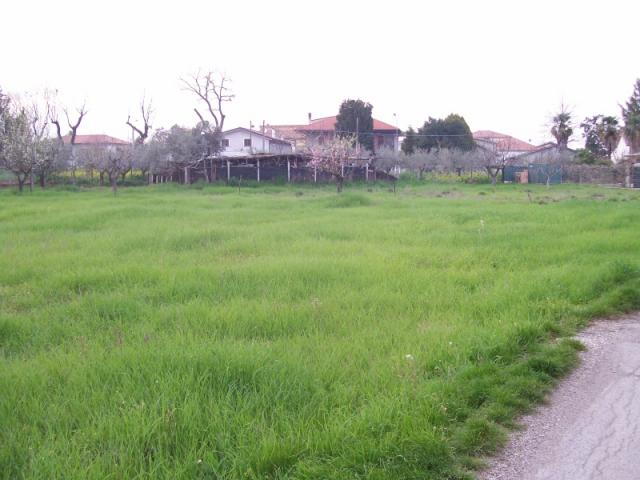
(243,142)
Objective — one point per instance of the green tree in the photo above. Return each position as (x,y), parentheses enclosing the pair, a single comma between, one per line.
(355,117)
(452,132)
(601,135)
(409,142)
(631,117)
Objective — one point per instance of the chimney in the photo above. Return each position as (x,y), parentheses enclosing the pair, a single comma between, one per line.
(309,114)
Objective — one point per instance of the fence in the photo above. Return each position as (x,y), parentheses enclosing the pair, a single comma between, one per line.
(594,174)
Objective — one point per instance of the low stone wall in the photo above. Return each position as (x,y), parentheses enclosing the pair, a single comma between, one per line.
(595,174)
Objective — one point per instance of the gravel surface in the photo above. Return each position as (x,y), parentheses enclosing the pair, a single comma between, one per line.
(590,427)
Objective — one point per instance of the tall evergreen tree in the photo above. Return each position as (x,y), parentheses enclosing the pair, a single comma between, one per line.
(409,142)
(355,117)
(631,117)
(601,134)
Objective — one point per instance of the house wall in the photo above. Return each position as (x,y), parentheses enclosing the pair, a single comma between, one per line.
(389,140)
(386,140)
(259,143)
(545,156)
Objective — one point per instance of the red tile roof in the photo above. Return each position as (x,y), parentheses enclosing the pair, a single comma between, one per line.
(327,124)
(505,143)
(95,140)
(286,132)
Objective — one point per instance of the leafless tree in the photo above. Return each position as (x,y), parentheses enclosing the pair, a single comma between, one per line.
(73,132)
(554,163)
(110,161)
(211,89)
(45,151)
(142,132)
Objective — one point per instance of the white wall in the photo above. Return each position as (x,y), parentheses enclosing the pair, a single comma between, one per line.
(259,143)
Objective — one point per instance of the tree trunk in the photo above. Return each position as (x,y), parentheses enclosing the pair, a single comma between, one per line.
(43,180)
(113,179)
(21,183)
(101,179)
(339,182)
(206,171)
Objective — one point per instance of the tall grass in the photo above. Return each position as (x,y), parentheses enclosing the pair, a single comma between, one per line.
(286,332)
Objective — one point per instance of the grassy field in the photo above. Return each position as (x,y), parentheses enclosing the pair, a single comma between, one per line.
(288,332)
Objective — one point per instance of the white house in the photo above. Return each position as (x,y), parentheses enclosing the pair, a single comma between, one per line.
(242,142)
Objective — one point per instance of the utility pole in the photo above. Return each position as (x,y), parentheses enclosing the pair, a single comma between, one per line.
(358,137)
(396,141)
(250,138)
(263,134)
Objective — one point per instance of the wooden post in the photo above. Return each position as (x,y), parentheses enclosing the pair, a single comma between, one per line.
(186,175)
(342,170)
(228,171)
(315,174)
(258,164)
(366,172)
(288,170)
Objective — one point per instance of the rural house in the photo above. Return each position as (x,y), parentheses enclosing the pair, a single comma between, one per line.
(320,129)
(86,141)
(503,145)
(243,142)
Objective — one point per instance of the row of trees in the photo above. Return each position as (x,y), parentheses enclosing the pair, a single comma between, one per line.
(602,133)
(33,145)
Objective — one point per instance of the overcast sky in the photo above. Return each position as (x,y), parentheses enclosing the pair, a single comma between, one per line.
(504,66)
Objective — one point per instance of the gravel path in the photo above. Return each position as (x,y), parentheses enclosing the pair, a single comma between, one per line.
(590,427)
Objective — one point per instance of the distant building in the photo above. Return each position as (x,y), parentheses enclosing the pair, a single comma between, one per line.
(504,145)
(84,141)
(546,153)
(289,133)
(242,142)
(321,129)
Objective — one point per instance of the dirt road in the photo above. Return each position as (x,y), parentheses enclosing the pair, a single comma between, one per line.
(590,429)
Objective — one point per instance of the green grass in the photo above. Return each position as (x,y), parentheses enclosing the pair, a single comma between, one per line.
(287,332)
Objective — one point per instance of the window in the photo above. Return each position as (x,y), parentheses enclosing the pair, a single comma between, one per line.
(247,142)
(225,142)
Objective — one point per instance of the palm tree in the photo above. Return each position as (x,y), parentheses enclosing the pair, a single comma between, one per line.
(562,127)
(631,117)
(611,134)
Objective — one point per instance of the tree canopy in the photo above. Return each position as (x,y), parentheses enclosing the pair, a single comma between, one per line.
(631,117)
(601,135)
(562,127)
(452,132)
(355,117)
(409,142)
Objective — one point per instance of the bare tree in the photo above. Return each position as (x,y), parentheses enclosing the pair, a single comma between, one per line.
(45,151)
(110,161)
(73,132)
(553,164)
(142,132)
(211,89)
(422,161)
